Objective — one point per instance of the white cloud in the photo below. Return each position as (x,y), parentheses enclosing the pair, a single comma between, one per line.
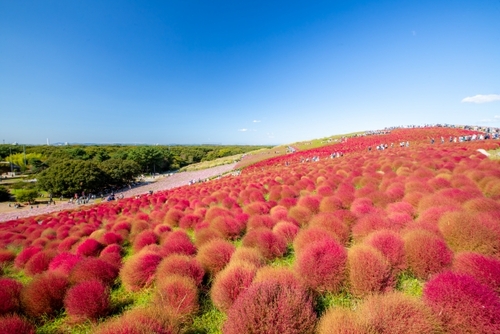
(482,98)
(243,130)
(497,116)
(256,121)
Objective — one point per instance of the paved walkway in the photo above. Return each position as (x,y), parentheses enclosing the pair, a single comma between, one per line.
(159,183)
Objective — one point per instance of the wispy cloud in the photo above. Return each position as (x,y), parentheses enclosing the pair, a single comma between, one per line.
(242,130)
(496,117)
(482,98)
(256,121)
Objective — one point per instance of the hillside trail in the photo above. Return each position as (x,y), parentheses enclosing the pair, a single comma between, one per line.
(159,183)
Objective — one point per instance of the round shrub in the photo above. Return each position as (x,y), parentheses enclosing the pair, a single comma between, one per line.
(6,256)
(287,230)
(397,313)
(89,247)
(300,214)
(370,223)
(25,255)
(38,263)
(271,308)
(92,268)
(463,304)
(309,236)
(426,254)
(391,245)
(465,231)
(177,296)
(269,244)
(139,270)
(322,266)
(144,238)
(485,269)
(64,263)
(14,324)
(215,254)
(181,265)
(10,291)
(87,300)
(338,320)
(44,294)
(282,275)
(139,321)
(369,271)
(177,242)
(248,255)
(333,224)
(229,283)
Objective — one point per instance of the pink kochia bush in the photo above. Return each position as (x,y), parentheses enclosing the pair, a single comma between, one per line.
(177,296)
(396,313)
(89,247)
(270,245)
(87,300)
(139,270)
(322,266)
(369,271)
(25,255)
(230,282)
(485,269)
(426,254)
(93,268)
(463,304)
(182,265)
(38,263)
(215,254)
(64,263)
(391,245)
(44,294)
(10,290)
(272,308)
(14,324)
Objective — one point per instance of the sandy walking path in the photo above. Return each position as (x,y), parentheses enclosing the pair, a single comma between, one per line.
(157,184)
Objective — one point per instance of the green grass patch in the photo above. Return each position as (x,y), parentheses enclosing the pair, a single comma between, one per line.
(409,284)
(10,272)
(286,260)
(494,154)
(327,300)
(209,319)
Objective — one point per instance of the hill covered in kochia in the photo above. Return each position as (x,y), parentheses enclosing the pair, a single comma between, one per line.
(400,240)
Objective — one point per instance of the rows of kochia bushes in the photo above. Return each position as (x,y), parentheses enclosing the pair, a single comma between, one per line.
(270,247)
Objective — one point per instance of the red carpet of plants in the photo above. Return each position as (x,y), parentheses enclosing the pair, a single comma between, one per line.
(400,240)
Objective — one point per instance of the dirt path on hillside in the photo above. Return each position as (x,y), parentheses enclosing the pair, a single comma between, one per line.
(151,184)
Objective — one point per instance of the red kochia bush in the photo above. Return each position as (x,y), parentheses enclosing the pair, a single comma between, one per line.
(333,224)
(182,265)
(287,230)
(391,245)
(10,290)
(177,296)
(25,255)
(38,263)
(484,268)
(322,265)
(463,304)
(87,300)
(144,238)
(338,320)
(89,247)
(177,242)
(270,245)
(369,271)
(215,254)
(230,282)
(139,320)
(44,294)
(14,324)
(139,270)
(426,254)
(64,262)
(248,255)
(479,232)
(6,256)
(272,308)
(93,268)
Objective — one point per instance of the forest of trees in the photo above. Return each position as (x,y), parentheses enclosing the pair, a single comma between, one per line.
(65,170)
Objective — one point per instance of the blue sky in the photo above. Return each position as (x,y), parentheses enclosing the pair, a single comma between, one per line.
(238,72)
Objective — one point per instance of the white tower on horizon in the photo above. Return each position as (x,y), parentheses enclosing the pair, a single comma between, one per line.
(48,143)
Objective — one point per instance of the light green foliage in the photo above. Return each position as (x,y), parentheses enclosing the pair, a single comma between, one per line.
(26,195)
(341,299)
(209,320)
(409,284)
(24,161)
